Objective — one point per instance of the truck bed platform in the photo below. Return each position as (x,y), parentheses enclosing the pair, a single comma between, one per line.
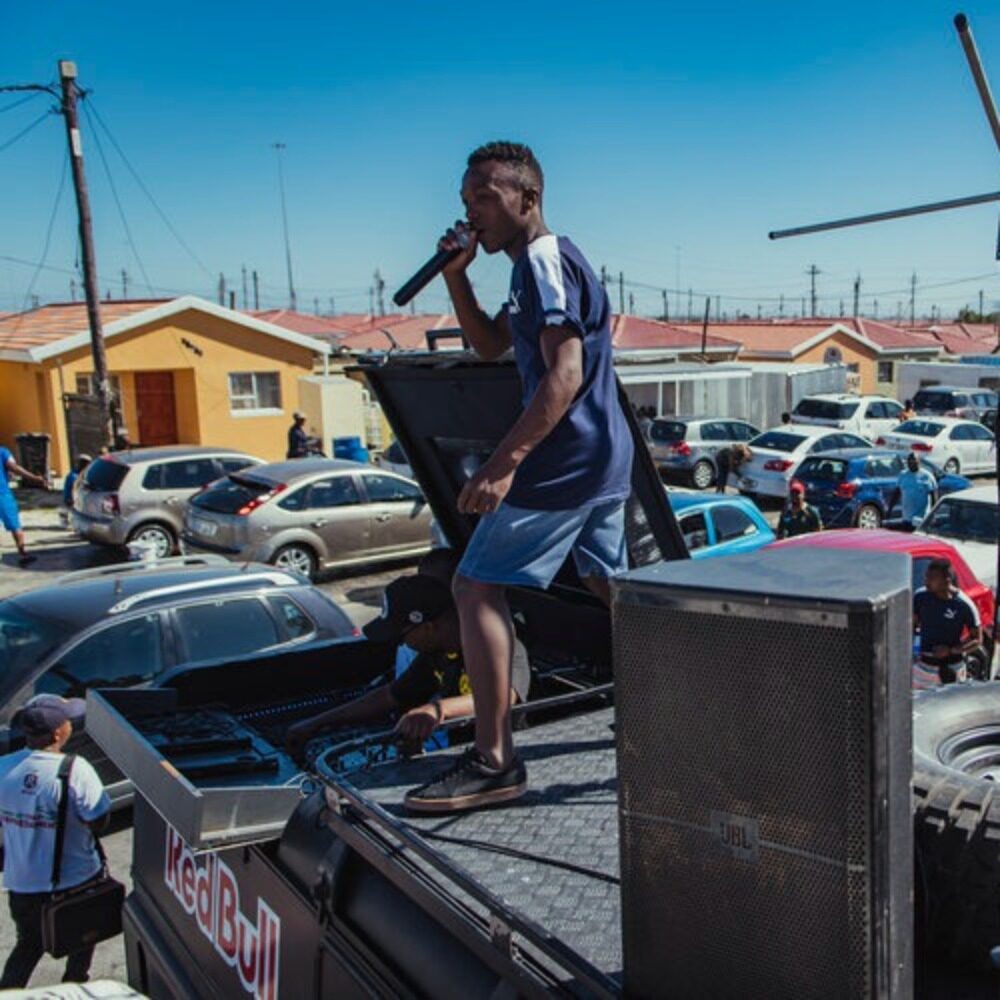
(552,856)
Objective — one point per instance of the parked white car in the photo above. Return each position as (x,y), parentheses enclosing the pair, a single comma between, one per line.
(868,416)
(394,459)
(958,446)
(970,521)
(778,452)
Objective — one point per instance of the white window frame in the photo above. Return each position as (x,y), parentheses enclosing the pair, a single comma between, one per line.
(256,410)
(87,386)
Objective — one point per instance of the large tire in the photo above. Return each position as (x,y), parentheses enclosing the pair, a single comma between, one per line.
(158,535)
(956,766)
(297,557)
(869,516)
(703,474)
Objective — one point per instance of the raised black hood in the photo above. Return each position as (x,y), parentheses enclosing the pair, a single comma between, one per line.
(449,411)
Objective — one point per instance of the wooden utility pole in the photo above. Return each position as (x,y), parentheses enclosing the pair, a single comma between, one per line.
(812,272)
(857,294)
(704,326)
(621,291)
(67,81)
(256,291)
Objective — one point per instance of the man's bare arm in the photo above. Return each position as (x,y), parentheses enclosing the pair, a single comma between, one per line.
(489,337)
(25,474)
(562,350)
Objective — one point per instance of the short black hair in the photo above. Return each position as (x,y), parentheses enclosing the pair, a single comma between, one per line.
(940,565)
(517,155)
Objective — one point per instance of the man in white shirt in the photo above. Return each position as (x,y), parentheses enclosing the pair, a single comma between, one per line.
(30,791)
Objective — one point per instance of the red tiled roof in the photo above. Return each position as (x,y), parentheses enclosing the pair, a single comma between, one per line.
(325,327)
(409,332)
(635,333)
(777,336)
(48,324)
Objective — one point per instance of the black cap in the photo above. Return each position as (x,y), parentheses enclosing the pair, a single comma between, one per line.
(408,602)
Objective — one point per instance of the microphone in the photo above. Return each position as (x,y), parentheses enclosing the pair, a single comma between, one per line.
(430,270)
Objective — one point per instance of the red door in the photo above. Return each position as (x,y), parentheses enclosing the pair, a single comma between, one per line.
(155,408)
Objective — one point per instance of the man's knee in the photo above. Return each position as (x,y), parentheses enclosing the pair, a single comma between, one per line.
(469,593)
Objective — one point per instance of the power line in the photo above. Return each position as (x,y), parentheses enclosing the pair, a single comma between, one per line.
(118,203)
(145,190)
(20,135)
(23,100)
(48,234)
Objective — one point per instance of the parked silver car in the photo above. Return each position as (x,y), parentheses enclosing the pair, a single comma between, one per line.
(686,447)
(139,495)
(310,514)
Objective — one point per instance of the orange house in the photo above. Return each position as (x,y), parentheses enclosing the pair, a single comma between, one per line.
(185,370)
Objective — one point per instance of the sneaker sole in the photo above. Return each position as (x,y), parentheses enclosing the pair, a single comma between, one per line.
(466,801)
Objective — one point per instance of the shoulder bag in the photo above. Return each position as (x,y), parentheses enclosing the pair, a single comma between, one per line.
(79,917)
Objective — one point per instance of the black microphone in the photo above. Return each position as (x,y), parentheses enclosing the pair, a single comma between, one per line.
(430,270)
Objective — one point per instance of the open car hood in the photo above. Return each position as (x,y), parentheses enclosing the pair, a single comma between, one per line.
(450,410)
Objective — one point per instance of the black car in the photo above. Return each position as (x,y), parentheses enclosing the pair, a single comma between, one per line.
(130,625)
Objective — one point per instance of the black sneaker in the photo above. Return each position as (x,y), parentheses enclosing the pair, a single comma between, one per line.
(468,784)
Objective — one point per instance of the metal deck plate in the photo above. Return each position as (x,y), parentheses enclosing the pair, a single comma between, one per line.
(568,814)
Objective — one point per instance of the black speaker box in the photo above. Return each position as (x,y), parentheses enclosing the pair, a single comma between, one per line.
(764,763)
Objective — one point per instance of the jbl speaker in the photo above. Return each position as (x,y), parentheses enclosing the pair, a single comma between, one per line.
(764,765)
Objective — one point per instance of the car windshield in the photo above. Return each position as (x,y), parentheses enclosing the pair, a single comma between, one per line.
(826,470)
(777,441)
(667,430)
(24,642)
(964,520)
(936,402)
(920,428)
(227,496)
(105,475)
(825,409)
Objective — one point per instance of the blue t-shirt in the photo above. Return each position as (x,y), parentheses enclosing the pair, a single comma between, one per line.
(915,490)
(587,458)
(5,458)
(943,622)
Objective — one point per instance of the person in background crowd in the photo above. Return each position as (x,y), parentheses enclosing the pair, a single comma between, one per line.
(440,564)
(949,627)
(798,517)
(420,612)
(81,463)
(646,415)
(908,413)
(916,492)
(298,440)
(786,417)
(30,791)
(10,516)
(730,460)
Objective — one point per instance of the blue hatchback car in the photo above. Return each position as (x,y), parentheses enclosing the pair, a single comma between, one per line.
(719,525)
(853,488)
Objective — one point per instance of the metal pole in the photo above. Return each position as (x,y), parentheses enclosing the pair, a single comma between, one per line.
(899,213)
(978,74)
(704,326)
(279,146)
(67,80)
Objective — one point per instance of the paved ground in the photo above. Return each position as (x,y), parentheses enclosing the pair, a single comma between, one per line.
(359,593)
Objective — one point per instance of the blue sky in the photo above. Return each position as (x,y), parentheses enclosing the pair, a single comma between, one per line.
(673,139)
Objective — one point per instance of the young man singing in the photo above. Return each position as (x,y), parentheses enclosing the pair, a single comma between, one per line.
(558,481)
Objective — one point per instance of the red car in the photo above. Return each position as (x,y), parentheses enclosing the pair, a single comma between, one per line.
(921,548)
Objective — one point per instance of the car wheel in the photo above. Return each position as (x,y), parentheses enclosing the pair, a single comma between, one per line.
(158,537)
(299,558)
(952,466)
(702,475)
(869,517)
(956,744)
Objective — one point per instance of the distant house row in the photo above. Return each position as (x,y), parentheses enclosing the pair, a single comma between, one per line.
(189,370)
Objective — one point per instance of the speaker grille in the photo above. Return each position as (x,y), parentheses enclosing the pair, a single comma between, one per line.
(744,762)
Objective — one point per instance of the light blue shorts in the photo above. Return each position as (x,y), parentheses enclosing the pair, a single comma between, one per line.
(10,517)
(520,546)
